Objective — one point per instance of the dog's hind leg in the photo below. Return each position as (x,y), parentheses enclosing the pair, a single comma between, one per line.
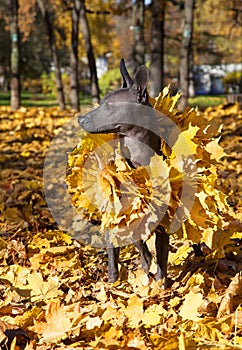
(113,258)
(145,254)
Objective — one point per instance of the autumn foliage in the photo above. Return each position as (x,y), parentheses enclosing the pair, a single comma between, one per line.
(192,159)
(54,291)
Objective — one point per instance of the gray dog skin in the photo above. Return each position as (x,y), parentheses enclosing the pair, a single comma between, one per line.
(123,119)
(123,112)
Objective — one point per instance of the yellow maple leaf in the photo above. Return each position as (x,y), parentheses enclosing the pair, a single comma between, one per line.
(164,102)
(152,316)
(56,326)
(42,290)
(204,199)
(181,254)
(111,312)
(93,322)
(216,151)
(216,238)
(185,146)
(198,215)
(190,306)
(196,279)
(134,311)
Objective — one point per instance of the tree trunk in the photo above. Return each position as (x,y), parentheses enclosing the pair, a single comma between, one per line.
(157,46)
(185,53)
(74,85)
(90,54)
(138,28)
(15,54)
(51,36)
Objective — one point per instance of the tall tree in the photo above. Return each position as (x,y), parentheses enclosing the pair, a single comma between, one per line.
(13,6)
(157,46)
(185,65)
(74,85)
(90,54)
(51,35)
(138,29)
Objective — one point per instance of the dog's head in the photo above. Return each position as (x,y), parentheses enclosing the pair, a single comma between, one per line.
(123,112)
(101,120)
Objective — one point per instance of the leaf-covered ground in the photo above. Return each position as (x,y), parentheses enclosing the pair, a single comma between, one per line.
(54,291)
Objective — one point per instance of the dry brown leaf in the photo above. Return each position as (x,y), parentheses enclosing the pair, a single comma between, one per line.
(233,290)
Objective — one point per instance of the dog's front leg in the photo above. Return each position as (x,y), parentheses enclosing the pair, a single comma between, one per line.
(162,249)
(113,259)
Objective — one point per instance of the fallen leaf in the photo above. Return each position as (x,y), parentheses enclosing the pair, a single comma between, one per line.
(56,325)
(43,290)
(233,290)
(94,322)
(134,311)
(189,309)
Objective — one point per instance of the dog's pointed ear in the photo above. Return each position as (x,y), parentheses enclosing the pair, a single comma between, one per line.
(141,79)
(127,81)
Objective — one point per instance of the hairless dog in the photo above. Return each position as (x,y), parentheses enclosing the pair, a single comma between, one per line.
(119,113)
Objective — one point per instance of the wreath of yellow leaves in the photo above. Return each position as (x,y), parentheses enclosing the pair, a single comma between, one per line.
(126,201)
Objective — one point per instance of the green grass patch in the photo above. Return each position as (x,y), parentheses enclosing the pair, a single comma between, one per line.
(206,101)
(29,99)
(38,100)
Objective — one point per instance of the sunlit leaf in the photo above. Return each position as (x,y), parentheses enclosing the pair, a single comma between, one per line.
(55,288)
(43,290)
(55,327)
(134,311)
(94,322)
(151,316)
(185,145)
(191,304)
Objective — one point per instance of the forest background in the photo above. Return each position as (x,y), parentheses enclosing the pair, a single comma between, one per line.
(51,47)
